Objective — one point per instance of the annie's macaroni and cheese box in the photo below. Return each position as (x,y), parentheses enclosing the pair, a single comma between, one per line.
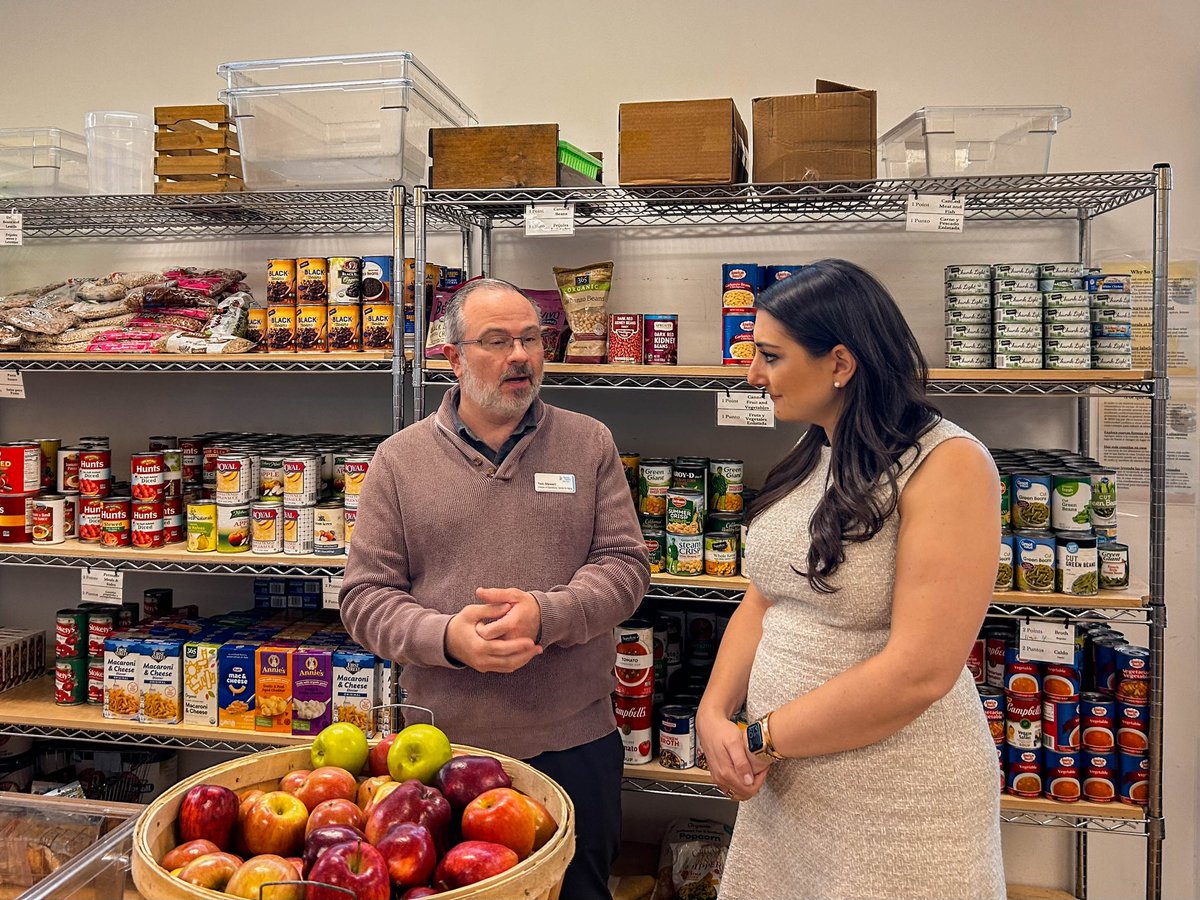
(236,685)
(160,681)
(273,689)
(200,682)
(355,688)
(121,655)
(312,689)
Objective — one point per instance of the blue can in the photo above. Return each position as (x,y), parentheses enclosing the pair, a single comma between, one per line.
(1101,777)
(1060,725)
(1022,756)
(1061,773)
(1033,567)
(377,279)
(1030,504)
(677,737)
(1021,676)
(1133,674)
(772,274)
(1104,662)
(1135,778)
(739,285)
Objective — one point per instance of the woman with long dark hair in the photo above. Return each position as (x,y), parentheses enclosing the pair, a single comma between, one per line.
(868,769)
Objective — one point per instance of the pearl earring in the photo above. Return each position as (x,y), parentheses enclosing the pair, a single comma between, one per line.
(837,384)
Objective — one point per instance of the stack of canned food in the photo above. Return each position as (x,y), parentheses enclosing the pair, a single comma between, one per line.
(691,511)
(1035,315)
(740,287)
(79,636)
(36,505)
(1058,512)
(1067,730)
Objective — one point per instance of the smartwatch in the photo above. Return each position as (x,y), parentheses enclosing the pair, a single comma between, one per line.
(758,738)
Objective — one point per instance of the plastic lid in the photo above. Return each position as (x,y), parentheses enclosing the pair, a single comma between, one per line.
(107,117)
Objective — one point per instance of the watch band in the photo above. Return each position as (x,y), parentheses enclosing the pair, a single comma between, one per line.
(768,744)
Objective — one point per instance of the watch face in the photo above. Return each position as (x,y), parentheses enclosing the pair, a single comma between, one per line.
(754,738)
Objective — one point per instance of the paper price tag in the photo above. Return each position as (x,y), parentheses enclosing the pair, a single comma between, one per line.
(12,384)
(745,410)
(549,219)
(935,212)
(1047,642)
(12,230)
(102,586)
(331,586)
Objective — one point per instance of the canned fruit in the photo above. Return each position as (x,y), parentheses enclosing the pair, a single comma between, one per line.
(233,528)
(201,527)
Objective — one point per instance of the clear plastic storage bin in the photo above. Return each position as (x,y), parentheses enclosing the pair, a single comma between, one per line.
(36,162)
(972,140)
(337,121)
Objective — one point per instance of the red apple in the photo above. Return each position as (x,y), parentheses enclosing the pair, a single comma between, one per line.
(411,802)
(323,838)
(377,760)
(246,799)
(418,892)
(293,779)
(275,824)
(338,811)
(472,861)
(410,854)
(259,870)
(357,866)
(466,777)
(208,811)
(501,816)
(211,871)
(377,797)
(326,783)
(544,822)
(185,853)
(298,863)
(367,788)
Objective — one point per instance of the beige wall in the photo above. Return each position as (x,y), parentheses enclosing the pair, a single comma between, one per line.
(1128,71)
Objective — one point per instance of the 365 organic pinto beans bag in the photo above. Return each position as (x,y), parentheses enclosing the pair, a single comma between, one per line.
(585,299)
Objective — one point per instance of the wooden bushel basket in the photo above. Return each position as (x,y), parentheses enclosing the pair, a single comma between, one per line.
(539,877)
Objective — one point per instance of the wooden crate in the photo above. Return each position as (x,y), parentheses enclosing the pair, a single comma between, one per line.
(500,156)
(198,150)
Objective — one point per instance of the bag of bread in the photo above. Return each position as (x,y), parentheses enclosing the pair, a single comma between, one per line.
(585,298)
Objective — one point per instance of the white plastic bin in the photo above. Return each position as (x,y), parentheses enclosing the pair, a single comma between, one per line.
(336,122)
(972,140)
(120,152)
(38,162)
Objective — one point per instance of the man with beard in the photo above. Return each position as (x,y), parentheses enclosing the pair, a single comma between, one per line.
(495,549)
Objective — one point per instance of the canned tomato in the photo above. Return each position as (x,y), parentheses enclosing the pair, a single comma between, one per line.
(720,554)
(1070,501)
(147,476)
(737,336)
(95,680)
(1062,775)
(995,641)
(256,326)
(146,524)
(1060,682)
(351,517)
(1133,728)
(685,554)
(329,529)
(100,626)
(1076,570)
(68,470)
(1030,501)
(1004,568)
(301,480)
(49,519)
(1098,715)
(114,521)
(201,526)
(626,339)
(1035,561)
(654,480)
(266,527)
(345,326)
(634,667)
(1100,777)
(311,276)
(677,737)
(1134,771)
(345,279)
(685,512)
(312,327)
(95,441)
(91,520)
(70,633)
(656,545)
(1114,566)
(662,339)
(633,721)
(377,326)
(20,468)
(1060,724)
(281,281)
(1024,778)
(1021,676)
(70,681)
(354,473)
(725,484)
(1133,674)
(235,479)
(298,530)
(993,703)
(95,472)
(233,528)
(281,329)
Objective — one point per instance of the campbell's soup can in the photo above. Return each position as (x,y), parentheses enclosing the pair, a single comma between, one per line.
(1023,721)
(147,476)
(233,528)
(995,640)
(993,702)
(146,524)
(634,667)
(114,521)
(1060,725)
(91,520)
(677,737)
(976,661)
(49,519)
(1098,716)
(329,528)
(633,721)
(174,522)
(1021,676)
(1023,779)
(1100,777)
(1134,771)
(201,526)
(68,470)
(1133,728)
(70,633)
(354,473)
(95,680)
(1104,661)
(298,529)
(70,681)
(350,515)
(301,480)
(266,527)
(1060,682)
(1062,773)
(20,468)
(95,472)
(1133,674)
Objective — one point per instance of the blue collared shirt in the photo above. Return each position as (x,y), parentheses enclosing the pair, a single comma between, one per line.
(495,457)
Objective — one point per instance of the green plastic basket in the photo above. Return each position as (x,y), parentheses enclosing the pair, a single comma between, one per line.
(574,158)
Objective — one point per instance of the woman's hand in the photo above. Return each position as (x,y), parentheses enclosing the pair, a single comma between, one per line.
(738,772)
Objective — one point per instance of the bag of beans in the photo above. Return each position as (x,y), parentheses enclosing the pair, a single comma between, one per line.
(585,298)
(554,322)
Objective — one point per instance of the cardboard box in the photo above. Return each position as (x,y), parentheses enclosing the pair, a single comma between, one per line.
(500,156)
(121,658)
(312,689)
(355,688)
(273,688)
(682,142)
(826,136)
(236,685)
(160,681)
(200,682)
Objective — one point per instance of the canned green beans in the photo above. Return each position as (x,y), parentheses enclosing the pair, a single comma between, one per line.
(1114,566)
(1004,571)
(1104,497)
(1035,555)
(1070,501)
(1076,570)
(1030,501)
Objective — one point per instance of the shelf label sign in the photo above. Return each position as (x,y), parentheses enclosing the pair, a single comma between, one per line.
(12,230)
(744,409)
(102,586)
(935,212)
(1047,642)
(331,586)
(12,384)
(549,219)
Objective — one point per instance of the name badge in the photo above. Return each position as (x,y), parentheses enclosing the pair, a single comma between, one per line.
(545,483)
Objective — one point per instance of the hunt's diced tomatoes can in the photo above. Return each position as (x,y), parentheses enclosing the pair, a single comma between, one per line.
(146,524)
(147,476)
(174,527)
(1062,775)
(95,472)
(91,519)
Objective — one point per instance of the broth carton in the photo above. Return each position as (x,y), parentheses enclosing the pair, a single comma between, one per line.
(312,689)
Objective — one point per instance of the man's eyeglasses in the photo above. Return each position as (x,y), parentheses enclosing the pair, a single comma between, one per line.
(503,343)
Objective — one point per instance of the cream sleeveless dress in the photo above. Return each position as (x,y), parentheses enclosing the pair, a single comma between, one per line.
(916,815)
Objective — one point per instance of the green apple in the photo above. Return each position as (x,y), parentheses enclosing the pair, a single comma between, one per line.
(418,752)
(342,744)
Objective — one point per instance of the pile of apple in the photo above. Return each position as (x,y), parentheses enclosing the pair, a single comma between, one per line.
(418,822)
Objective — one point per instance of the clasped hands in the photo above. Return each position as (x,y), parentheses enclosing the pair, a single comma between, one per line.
(498,634)
(738,772)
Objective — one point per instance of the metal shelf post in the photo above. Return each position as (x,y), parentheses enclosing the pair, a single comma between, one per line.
(398,206)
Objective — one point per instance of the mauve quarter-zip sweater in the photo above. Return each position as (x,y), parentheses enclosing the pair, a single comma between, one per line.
(436,520)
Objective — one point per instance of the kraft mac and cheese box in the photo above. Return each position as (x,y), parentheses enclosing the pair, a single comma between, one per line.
(160,681)
(200,682)
(312,689)
(355,688)
(273,688)
(236,685)
(121,655)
